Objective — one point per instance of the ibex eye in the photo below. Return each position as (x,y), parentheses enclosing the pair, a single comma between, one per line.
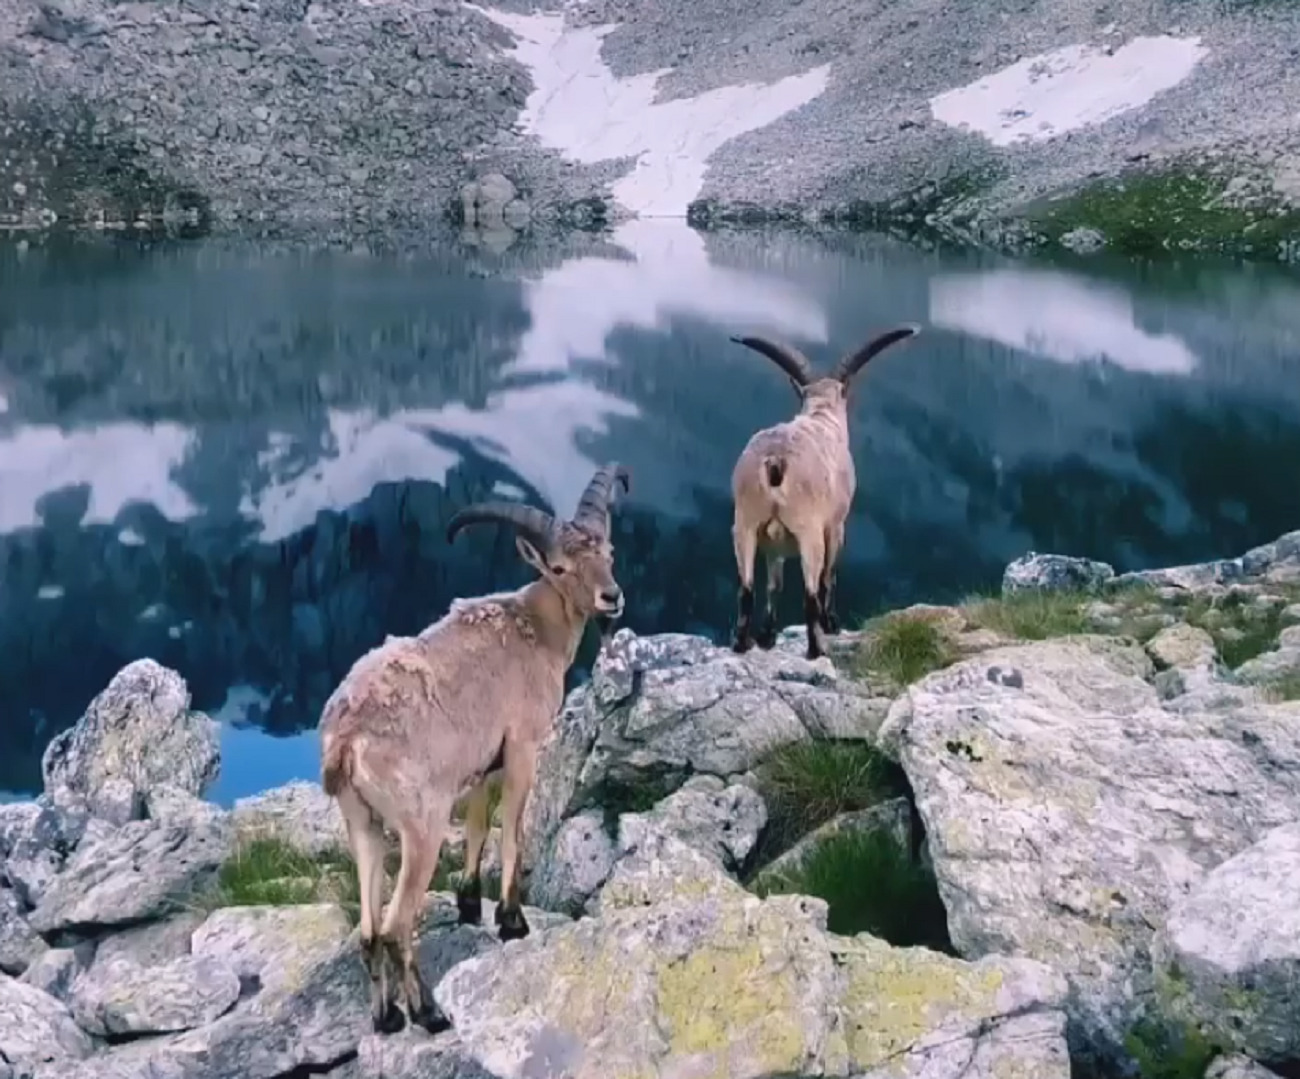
(558,571)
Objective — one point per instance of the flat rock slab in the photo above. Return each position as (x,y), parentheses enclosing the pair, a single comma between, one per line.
(140,871)
(706,981)
(1229,955)
(1067,808)
(119,997)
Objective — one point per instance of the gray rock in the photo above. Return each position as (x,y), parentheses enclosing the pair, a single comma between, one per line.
(119,997)
(144,870)
(1054,573)
(712,982)
(659,868)
(722,822)
(151,944)
(660,709)
(1065,814)
(20,946)
(1229,954)
(1236,1066)
(139,730)
(117,801)
(55,971)
(36,1029)
(272,945)
(41,839)
(1273,666)
(412,1054)
(577,864)
(299,814)
(894,816)
(171,805)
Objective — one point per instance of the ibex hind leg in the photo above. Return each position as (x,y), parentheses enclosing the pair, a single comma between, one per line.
(826,592)
(775,565)
(745,539)
(366,841)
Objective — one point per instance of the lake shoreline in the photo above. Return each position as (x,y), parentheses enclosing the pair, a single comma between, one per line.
(226,123)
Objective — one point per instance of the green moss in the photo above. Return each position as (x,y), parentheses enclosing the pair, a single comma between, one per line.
(1032,615)
(902,648)
(1145,214)
(808,783)
(871,885)
(1164,1051)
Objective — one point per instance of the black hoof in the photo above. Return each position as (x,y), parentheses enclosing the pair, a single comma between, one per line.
(431,1019)
(510,923)
(767,639)
(469,909)
(742,644)
(390,1020)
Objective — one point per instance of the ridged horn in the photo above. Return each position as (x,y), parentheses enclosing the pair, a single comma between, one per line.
(537,526)
(790,359)
(851,364)
(593,507)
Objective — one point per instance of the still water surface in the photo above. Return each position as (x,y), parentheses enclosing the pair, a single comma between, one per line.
(240,460)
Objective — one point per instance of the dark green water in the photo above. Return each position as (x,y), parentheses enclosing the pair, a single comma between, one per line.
(240,460)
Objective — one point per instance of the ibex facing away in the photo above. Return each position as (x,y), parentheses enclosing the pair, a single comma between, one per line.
(420,721)
(792,487)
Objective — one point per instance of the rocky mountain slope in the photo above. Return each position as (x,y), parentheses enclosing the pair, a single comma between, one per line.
(1107,829)
(371,114)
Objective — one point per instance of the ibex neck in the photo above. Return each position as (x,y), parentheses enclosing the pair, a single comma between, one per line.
(558,625)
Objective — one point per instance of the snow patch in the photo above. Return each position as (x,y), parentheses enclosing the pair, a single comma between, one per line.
(1056,315)
(1069,88)
(581,109)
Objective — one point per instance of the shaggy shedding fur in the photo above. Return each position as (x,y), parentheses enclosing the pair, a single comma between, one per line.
(792,486)
(420,721)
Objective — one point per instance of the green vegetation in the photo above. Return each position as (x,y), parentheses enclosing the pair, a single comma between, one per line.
(902,647)
(1162,1053)
(1240,631)
(871,885)
(1145,214)
(269,872)
(1283,689)
(808,783)
(1032,615)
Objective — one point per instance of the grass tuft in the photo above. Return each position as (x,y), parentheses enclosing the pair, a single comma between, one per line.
(1286,688)
(267,872)
(1164,1054)
(871,885)
(903,648)
(1240,631)
(1032,615)
(808,783)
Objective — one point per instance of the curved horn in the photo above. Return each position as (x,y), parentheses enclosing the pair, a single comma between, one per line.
(537,526)
(790,359)
(593,506)
(851,364)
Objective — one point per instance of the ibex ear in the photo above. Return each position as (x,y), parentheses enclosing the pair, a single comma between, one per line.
(532,556)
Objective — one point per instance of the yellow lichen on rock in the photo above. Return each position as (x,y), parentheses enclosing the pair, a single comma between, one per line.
(894,997)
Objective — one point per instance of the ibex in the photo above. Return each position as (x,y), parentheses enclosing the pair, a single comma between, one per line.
(419,722)
(792,487)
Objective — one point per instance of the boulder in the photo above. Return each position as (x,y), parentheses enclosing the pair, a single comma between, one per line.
(661,709)
(139,733)
(1280,663)
(299,814)
(1229,955)
(1067,809)
(118,997)
(711,981)
(57,969)
(271,947)
(1034,572)
(580,858)
(20,946)
(720,821)
(1236,1066)
(36,1029)
(139,872)
(412,1054)
(39,838)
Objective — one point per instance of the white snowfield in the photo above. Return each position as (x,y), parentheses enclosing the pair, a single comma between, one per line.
(1041,97)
